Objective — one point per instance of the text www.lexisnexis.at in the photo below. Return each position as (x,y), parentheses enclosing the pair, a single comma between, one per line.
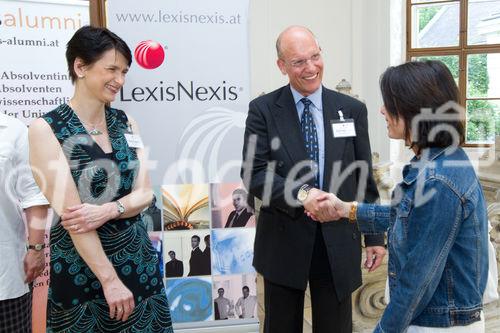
(179,18)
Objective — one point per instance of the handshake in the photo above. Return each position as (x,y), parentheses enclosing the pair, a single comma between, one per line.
(324,207)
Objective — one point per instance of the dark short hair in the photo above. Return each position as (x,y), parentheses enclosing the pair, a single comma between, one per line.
(207,237)
(197,238)
(245,287)
(90,43)
(416,85)
(220,289)
(171,252)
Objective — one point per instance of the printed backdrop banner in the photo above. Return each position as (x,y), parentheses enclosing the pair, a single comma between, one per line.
(33,72)
(188,87)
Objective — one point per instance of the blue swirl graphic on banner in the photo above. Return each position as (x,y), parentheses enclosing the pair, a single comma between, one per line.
(190,299)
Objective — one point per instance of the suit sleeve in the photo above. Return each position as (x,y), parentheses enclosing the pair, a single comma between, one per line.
(363,153)
(258,169)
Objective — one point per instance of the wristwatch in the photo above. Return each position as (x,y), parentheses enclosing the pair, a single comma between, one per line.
(120,207)
(303,192)
(36,247)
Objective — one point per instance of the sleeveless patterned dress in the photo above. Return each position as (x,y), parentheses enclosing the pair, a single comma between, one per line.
(76,301)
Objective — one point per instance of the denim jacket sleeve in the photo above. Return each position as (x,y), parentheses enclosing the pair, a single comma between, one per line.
(431,232)
(372,218)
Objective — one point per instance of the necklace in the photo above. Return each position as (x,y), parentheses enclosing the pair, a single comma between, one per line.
(94,130)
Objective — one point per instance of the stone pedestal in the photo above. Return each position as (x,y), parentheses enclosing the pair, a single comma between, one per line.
(489,176)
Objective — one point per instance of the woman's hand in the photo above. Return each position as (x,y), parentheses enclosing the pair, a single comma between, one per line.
(119,298)
(87,217)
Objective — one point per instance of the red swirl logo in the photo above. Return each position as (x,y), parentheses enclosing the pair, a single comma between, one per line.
(149,54)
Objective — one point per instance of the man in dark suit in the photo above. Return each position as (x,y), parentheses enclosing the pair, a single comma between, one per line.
(300,140)
(206,263)
(240,215)
(196,260)
(175,267)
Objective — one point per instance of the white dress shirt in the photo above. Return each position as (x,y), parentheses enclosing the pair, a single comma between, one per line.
(18,191)
(224,305)
(246,306)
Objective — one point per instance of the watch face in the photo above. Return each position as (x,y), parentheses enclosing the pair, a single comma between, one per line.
(302,195)
(37,247)
(121,208)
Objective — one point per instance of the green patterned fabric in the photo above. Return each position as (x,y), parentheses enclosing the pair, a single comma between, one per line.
(76,301)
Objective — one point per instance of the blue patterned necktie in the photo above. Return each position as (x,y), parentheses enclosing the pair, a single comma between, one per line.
(310,137)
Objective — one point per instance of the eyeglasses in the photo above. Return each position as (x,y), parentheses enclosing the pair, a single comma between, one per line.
(303,62)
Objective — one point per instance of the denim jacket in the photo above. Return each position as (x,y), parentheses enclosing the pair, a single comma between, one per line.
(437,237)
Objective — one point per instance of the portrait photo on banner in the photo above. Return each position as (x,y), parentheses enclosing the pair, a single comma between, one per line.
(231,206)
(235,296)
(232,251)
(157,242)
(187,253)
(190,299)
(185,207)
(152,215)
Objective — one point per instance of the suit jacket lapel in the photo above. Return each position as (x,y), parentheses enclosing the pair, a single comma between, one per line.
(334,148)
(288,126)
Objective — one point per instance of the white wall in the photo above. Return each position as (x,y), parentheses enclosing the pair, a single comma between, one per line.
(354,36)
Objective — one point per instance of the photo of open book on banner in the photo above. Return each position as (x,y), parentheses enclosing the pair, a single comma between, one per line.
(185,207)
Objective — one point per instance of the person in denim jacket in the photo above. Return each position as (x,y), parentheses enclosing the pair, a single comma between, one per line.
(437,222)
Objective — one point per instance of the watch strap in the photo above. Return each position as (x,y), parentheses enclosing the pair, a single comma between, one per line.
(36,247)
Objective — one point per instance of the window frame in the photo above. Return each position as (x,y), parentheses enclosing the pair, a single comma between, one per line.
(462,50)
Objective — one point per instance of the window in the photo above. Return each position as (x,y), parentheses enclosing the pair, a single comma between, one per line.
(465,35)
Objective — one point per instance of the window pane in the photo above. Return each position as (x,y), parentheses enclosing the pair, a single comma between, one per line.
(435,25)
(483,120)
(483,22)
(449,60)
(483,75)
(420,1)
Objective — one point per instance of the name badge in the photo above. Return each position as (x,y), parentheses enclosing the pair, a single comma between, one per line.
(343,128)
(134,140)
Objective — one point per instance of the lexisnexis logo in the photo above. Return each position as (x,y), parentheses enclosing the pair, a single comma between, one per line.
(149,54)
(179,91)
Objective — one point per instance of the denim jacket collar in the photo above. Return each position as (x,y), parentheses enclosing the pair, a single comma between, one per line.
(417,164)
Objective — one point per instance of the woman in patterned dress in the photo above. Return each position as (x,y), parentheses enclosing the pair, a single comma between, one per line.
(104,273)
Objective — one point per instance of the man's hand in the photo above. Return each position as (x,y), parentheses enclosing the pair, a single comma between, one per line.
(312,205)
(328,208)
(374,257)
(34,264)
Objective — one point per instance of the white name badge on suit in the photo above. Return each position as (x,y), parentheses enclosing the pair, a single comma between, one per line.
(343,128)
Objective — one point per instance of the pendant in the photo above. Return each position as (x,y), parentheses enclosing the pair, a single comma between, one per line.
(95,131)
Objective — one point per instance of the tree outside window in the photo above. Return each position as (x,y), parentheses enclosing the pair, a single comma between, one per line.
(465,35)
